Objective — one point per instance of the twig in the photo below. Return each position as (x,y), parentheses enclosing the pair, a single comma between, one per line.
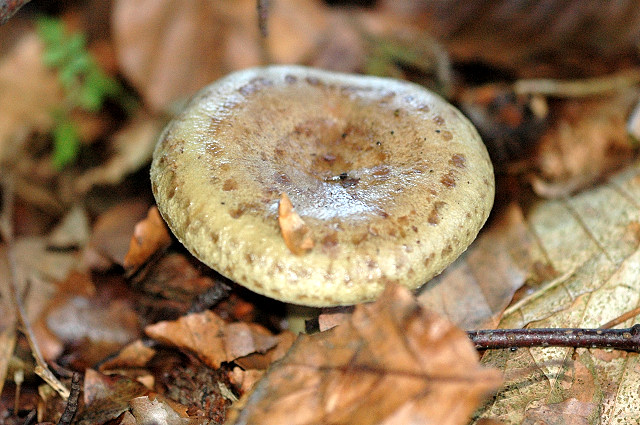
(622,318)
(8,8)
(72,402)
(579,88)
(619,339)
(6,230)
(262,7)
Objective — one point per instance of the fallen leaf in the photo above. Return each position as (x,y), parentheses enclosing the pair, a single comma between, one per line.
(30,91)
(474,290)
(78,317)
(297,236)
(149,237)
(588,141)
(174,285)
(393,362)
(112,233)
(72,231)
(264,360)
(157,412)
(569,412)
(107,397)
(212,339)
(591,240)
(177,47)
(244,380)
(135,354)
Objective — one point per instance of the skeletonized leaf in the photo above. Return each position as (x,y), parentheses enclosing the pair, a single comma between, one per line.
(393,362)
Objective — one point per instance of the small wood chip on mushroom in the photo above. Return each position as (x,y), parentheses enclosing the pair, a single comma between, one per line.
(392,182)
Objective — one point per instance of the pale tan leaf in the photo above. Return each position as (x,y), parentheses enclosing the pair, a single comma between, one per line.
(592,240)
(392,362)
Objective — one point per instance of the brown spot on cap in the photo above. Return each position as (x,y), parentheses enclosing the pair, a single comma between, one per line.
(229,184)
(434,215)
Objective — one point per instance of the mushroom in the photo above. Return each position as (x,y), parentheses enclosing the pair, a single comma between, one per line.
(389,181)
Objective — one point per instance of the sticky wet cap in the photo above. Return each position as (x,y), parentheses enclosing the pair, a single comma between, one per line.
(391,182)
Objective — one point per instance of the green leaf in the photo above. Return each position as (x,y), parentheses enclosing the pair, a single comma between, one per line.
(66,143)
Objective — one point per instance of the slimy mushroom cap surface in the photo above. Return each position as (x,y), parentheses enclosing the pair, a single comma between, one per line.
(392,182)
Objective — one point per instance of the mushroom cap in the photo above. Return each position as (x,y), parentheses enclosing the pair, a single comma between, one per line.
(392,182)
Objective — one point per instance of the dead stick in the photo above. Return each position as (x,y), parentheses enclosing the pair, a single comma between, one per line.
(619,339)
(72,402)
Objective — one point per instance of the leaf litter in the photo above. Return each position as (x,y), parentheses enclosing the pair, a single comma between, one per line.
(569,261)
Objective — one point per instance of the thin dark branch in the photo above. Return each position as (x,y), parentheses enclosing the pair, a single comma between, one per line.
(72,402)
(8,8)
(263,16)
(619,339)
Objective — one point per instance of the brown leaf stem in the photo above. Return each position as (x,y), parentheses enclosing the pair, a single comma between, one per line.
(620,339)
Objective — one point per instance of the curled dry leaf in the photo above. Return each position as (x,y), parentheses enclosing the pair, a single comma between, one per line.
(296,234)
(149,236)
(212,339)
(393,362)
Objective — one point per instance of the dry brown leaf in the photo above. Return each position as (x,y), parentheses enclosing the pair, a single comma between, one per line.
(135,354)
(569,412)
(297,236)
(570,36)
(112,233)
(149,236)
(30,92)
(159,412)
(212,339)
(588,141)
(107,397)
(244,380)
(176,47)
(474,290)
(264,360)
(393,362)
(72,231)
